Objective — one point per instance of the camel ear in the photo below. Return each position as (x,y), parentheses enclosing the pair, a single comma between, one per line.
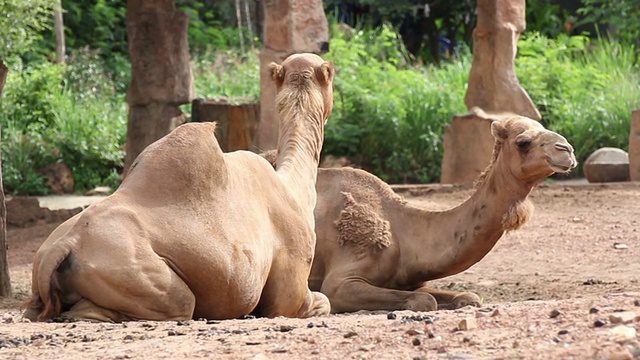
(325,73)
(277,73)
(498,130)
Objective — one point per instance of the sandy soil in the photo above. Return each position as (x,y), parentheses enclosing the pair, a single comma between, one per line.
(566,286)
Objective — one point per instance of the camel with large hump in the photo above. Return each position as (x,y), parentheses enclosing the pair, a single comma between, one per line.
(193,232)
(376,252)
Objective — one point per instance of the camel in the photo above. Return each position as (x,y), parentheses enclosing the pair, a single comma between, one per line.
(376,252)
(195,233)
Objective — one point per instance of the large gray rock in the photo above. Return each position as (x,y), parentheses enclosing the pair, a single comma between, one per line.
(607,164)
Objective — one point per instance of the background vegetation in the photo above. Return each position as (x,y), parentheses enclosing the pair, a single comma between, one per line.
(393,94)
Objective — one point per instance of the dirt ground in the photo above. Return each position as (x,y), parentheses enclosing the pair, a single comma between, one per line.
(566,286)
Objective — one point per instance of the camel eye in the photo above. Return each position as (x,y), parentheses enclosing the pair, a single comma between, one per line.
(523,143)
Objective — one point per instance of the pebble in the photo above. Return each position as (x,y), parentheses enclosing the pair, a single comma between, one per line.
(620,246)
(594,310)
(416,342)
(636,302)
(563,332)
(414,332)
(599,323)
(554,314)
(392,316)
(468,323)
(622,333)
(350,334)
(624,317)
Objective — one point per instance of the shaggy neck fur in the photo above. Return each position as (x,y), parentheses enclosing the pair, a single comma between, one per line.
(300,137)
(448,242)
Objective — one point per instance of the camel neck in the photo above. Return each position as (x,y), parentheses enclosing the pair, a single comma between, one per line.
(299,146)
(451,241)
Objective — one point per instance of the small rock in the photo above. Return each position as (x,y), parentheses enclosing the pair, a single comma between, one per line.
(128,337)
(495,313)
(279,350)
(183,323)
(554,314)
(594,310)
(468,323)
(636,302)
(286,328)
(431,334)
(310,325)
(563,332)
(622,333)
(392,316)
(620,246)
(412,332)
(624,317)
(350,334)
(620,354)
(599,323)
(416,342)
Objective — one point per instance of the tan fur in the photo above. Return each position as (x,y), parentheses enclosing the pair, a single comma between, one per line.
(425,245)
(196,233)
(361,226)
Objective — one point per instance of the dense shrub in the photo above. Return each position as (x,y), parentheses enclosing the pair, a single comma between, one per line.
(388,116)
(68,113)
(584,91)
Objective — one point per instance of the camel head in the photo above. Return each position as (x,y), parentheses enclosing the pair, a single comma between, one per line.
(302,71)
(532,152)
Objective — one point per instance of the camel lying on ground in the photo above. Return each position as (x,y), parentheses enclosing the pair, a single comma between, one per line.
(376,252)
(195,233)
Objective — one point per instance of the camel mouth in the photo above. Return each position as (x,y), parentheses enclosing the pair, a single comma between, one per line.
(561,168)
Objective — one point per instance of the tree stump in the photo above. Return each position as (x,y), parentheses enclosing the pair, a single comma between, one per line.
(237,121)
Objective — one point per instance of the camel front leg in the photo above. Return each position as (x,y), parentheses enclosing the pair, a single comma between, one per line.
(451,300)
(354,294)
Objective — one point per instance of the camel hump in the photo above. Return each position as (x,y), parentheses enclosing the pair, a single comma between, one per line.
(189,157)
(361,225)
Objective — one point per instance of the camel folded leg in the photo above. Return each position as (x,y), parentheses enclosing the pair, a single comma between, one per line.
(354,294)
(451,300)
(131,293)
(284,295)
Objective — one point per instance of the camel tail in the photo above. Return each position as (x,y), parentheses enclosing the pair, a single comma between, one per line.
(46,300)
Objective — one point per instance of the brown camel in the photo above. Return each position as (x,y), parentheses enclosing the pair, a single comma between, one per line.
(195,233)
(376,252)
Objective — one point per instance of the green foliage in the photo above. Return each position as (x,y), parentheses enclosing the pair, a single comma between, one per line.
(64,113)
(585,91)
(389,116)
(21,22)
(227,74)
(621,15)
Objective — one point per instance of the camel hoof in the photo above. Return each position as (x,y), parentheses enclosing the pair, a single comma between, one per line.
(465,299)
(319,307)
(420,302)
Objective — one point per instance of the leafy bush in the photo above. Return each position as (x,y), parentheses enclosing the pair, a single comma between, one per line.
(227,74)
(584,91)
(388,116)
(64,113)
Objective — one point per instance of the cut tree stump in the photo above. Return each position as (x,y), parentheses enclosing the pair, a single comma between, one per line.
(237,121)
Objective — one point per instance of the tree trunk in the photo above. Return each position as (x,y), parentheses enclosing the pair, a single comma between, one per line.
(5,280)
(237,124)
(59,30)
